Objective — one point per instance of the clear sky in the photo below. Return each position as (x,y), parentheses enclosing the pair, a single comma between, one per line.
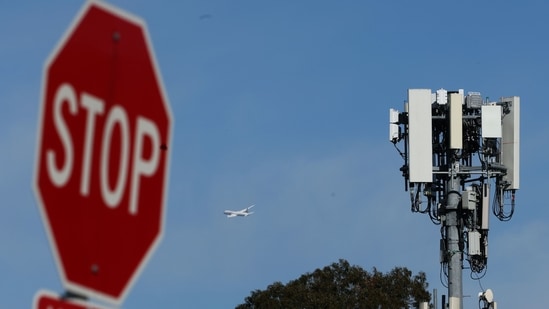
(284,104)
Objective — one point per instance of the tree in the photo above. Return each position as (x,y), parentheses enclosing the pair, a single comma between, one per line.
(341,285)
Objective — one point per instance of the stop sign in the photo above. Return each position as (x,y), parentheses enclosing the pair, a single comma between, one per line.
(102,152)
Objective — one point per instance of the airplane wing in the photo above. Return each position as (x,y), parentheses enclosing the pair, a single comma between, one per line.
(245,210)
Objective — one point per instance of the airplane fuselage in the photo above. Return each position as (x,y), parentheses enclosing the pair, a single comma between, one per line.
(231,213)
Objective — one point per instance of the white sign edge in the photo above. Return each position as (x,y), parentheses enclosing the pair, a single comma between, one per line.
(47,293)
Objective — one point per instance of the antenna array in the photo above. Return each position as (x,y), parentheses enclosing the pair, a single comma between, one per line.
(459,152)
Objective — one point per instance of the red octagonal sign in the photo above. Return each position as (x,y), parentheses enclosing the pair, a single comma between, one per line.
(102,152)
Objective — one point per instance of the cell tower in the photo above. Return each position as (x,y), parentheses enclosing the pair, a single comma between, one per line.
(458,151)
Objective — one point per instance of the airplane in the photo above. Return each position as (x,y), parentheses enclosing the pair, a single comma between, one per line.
(240,213)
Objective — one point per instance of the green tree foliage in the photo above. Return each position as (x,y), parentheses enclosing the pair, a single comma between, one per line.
(342,285)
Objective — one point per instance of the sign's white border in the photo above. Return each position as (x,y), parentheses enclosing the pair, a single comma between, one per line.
(46,293)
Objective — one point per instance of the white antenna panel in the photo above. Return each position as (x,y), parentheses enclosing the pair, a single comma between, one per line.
(420,132)
(511,142)
(474,243)
(485,206)
(456,120)
(393,115)
(491,121)
(442,96)
(393,132)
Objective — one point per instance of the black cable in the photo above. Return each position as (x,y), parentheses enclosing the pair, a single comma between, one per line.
(443,271)
(483,291)
(400,152)
(480,284)
(433,213)
(498,207)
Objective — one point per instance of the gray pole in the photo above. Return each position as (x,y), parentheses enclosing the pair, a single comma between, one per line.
(452,239)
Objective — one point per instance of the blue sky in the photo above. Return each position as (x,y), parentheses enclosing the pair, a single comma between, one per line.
(284,104)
